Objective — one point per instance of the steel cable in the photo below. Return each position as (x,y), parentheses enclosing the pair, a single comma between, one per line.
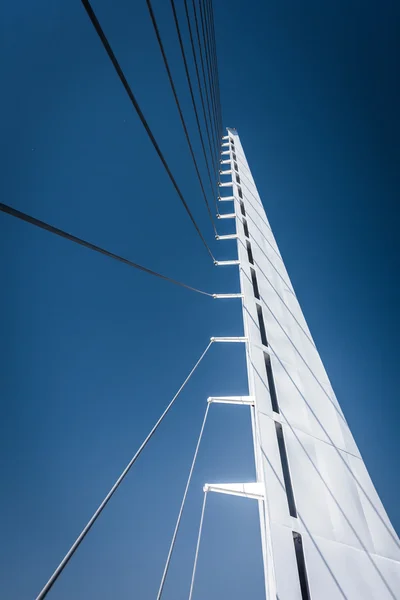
(188,78)
(141,116)
(171,81)
(213,58)
(196,556)
(43,225)
(206,94)
(114,488)
(206,44)
(198,80)
(178,521)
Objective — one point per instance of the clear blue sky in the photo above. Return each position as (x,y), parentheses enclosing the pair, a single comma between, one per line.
(92,351)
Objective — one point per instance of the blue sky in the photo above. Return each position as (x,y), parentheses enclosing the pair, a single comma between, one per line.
(92,351)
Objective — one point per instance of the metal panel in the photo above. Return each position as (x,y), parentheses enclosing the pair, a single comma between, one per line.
(337,571)
(287,580)
(384,537)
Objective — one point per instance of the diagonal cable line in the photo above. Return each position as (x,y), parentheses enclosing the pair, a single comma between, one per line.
(204,66)
(141,116)
(208,52)
(188,78)
(178,521)
(171,81)
(215,58)
(196,22)
(183,53)
(212,65)
(114,488)
(196,556)
(43,225)
(215,55)
(207,160)
(209,73)
(198,80)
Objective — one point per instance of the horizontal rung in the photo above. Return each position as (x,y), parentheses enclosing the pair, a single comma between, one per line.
(231,236)
(228,216)
(228,339)
(227,184)
(247,490)
(226,296)
(248,400)
(226,263)
(228,172)
(225,152)
(226,198)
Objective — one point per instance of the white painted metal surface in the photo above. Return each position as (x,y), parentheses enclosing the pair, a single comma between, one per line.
(243,400)
(230,236)
(225,184)
(350,549)
(226,296)
(225,199)
(254,489)
(228,339)
(226,263)
(226,216)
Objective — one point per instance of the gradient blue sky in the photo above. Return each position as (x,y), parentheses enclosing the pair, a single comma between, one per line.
(92,351)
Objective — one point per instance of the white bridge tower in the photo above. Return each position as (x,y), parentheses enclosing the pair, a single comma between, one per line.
(325,533)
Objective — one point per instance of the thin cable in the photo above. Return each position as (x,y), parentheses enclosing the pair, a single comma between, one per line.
(208,44)
(171,81)
(191,91)
(28,219)
(198,546)
(210,80)
(215,56)
(213,48)
(204,76)
(211,65)
(206,68)
(217,97)
(91,522)
(141,116)
(198,79)
(212,23)
(178,521)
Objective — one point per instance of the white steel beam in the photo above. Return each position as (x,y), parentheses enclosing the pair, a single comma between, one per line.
(252,490)
(230,236)
(226,263)
(227,216)
(226,296)
(242,400)
(323,526)
(226,184)
(228,339)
